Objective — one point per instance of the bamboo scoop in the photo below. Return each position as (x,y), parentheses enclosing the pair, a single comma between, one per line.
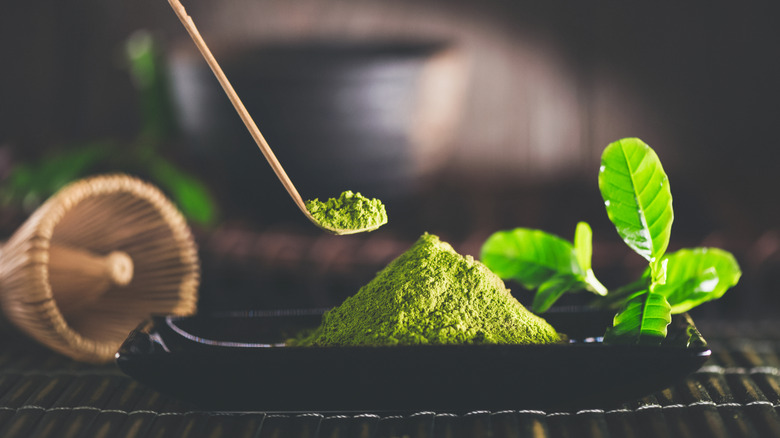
(252,127)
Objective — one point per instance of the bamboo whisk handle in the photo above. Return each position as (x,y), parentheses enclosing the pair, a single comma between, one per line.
(119,267)
(79,277)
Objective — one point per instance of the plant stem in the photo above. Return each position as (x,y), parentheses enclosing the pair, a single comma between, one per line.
(616,297)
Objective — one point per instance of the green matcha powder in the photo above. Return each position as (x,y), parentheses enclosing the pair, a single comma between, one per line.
(350,211)
(431,295)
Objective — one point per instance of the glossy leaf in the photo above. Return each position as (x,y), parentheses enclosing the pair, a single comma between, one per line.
(530,257)
(583,245)
(552,289)
(636,194)
(642,321)
(697,275)
(583,251)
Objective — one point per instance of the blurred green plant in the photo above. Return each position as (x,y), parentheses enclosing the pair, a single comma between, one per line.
(31,183)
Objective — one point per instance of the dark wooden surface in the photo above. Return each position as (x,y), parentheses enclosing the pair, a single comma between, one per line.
(736,394)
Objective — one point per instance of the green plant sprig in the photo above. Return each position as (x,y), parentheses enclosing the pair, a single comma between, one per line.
(638,202)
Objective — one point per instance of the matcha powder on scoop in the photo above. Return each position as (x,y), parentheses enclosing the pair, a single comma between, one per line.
(349,211)
(431,295)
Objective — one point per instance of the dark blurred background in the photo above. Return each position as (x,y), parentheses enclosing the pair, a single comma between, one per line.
(464,117)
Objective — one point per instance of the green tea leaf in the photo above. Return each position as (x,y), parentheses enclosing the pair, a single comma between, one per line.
(190,195)
(583,251)
(642,321)
(530,257)
(552,289)
(583,245)
(34,182)
(150,77)
(697,275)
(540,260)
(636,193)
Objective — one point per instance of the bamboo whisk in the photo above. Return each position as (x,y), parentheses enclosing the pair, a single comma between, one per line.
(94,261)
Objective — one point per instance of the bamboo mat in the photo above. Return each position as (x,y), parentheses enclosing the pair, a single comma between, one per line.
(736,394)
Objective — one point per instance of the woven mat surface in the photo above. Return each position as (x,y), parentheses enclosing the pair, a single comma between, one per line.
(735,394)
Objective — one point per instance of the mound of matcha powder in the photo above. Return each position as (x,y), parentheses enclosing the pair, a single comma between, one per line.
(350,211)
(431,295)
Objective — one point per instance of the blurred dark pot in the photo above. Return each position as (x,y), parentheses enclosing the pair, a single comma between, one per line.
(338,117)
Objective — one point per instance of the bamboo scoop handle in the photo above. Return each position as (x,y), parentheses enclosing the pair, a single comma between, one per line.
(78,277)
(186,20)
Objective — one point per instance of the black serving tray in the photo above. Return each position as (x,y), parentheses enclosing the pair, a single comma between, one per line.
(237,362)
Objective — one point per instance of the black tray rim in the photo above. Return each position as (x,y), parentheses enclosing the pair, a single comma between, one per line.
(155,344)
